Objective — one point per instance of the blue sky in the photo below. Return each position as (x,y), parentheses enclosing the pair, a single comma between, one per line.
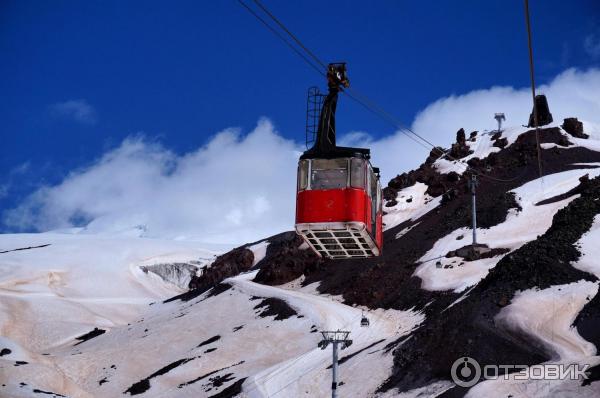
(79,77)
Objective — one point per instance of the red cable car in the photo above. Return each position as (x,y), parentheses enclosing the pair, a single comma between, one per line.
(338,200)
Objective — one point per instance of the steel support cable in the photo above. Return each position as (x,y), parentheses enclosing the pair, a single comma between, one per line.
(365,102)
(282,38)
(389,116)
(282,26)
(353,94)
(375,112)
(532,76)
(369,106)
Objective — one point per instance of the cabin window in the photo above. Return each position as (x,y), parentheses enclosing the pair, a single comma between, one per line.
(373,183)
(357,173)
(302,175)
(329,173)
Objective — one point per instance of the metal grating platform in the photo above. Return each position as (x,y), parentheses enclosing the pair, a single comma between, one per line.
(338,240)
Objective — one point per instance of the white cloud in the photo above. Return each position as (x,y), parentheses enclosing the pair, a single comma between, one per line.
(16,173)
(591,44)
(234,189)
(79,110)
(240,188)
(573,93)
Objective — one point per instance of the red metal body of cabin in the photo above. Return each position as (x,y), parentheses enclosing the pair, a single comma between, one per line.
(331,205)
(345,221)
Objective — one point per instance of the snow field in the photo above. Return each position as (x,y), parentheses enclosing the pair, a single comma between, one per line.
(518,229)
(547,315)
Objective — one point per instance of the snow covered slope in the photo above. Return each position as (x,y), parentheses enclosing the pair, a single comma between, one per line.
(53,296)
(98,316)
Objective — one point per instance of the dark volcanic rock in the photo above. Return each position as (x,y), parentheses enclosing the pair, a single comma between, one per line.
(435,154)
(500,143)
(275,307)
(143,385)
(192,294)
(229,264)
(460,137)
(209,341)
(460,149)
(470,324)
(574,127)
(584,182)
(468,254)
(285,261)
(219,380)
(402,181)
(54,394)
(204,376)
(593,376)
(232,391)
(437,183)
(345,358)
(543,112)
(90,335)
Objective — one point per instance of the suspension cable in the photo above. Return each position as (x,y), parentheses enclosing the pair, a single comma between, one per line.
(405,130)
(365,101)
(278,22)
(377,113)
(282,38)
(532,76)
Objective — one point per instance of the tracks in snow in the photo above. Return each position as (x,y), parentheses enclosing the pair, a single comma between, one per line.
(296,375)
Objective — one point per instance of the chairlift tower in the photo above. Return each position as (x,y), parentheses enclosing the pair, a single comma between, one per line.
(499,118)
(334,338)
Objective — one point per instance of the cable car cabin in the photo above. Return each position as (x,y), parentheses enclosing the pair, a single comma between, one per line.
(338,204)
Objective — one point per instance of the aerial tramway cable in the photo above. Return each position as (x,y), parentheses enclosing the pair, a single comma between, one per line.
(282,38)
(278,22)
(532,75)
(351,93)
(361,99)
